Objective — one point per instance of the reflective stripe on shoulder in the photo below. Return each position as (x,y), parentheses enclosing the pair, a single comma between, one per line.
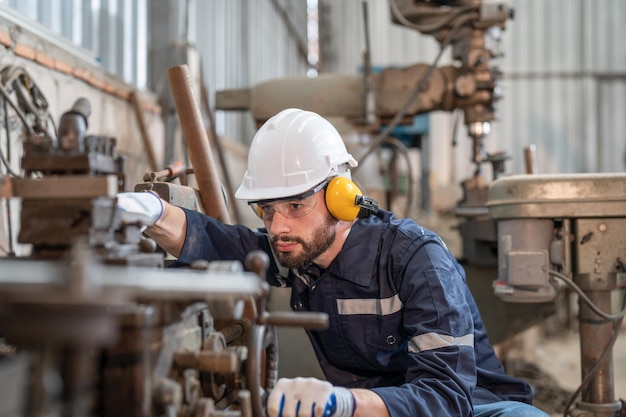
(379,307)
(429,341)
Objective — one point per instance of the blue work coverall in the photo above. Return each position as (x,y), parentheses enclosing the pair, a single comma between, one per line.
(402,321)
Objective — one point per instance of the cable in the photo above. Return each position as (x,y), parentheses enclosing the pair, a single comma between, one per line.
(19,113)
(592,306)
(30,106)
(401,147)
(3,159)
(608,349)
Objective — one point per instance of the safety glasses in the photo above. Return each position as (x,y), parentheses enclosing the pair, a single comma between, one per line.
(290,207)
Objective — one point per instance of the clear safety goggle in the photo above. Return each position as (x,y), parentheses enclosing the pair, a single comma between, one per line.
(289,207)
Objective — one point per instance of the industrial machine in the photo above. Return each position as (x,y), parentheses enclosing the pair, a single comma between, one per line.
(567,230)
(92,324)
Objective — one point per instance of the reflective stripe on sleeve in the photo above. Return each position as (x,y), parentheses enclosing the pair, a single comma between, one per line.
(379,307)
(430,341)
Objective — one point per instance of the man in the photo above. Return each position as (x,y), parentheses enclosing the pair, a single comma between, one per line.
(405,337)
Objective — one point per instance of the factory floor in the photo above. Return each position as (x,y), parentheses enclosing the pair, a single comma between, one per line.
(549,360)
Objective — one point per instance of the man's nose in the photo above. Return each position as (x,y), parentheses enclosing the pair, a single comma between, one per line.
(278,224)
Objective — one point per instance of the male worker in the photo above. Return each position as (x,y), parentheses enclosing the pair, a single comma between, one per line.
(405,337)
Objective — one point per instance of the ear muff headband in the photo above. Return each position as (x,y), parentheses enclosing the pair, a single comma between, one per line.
(345,201)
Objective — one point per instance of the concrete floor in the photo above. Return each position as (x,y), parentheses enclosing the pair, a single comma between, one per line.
(559,357)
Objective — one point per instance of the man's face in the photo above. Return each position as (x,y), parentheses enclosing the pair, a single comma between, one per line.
(297,242)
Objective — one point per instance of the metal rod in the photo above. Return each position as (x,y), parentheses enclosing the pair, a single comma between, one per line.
(204,97)
(530,159)
(595,333)
(197,141)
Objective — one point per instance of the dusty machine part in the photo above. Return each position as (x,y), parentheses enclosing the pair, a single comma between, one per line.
(570,227)
(69,192)
(466,25)
(106,329)
(262,366)
(179,194)
(188,110)
(472,28)
(135,341)
(479,234)
(91,327)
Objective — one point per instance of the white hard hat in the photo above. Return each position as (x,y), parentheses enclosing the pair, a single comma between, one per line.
(291,153)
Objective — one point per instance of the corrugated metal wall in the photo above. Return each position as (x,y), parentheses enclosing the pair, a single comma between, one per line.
(565,85)
(244,42)
(390,44)
(564,68)
(564,82)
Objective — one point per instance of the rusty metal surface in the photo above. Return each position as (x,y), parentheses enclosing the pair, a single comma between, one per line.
(151,337)
(67,186)
(558,195)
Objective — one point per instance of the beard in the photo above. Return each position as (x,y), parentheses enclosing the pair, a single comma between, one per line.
(323,237)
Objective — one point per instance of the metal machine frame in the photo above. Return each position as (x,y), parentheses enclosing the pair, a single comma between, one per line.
(570,228)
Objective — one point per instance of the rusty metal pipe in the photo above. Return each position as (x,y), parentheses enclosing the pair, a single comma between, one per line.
(194,132)
(595,333)
(208,361)
(530,159)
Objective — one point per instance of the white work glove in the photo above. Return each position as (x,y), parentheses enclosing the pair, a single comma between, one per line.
(143,207)
(309,397)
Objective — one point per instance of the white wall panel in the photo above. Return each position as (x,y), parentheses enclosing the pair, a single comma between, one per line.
(244,42)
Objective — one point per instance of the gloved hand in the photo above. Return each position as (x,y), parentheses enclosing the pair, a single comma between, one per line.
(309,397)
(143,207)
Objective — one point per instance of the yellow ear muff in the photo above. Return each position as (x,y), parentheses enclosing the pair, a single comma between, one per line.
(342,196)
(258,211)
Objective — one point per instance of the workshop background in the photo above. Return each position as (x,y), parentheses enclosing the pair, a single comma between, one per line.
(562,87)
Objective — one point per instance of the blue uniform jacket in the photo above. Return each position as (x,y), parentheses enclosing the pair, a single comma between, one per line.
(402,321)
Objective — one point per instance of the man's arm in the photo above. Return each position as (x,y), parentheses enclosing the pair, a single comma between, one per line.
(369,404)
(170,230)
(167,224)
